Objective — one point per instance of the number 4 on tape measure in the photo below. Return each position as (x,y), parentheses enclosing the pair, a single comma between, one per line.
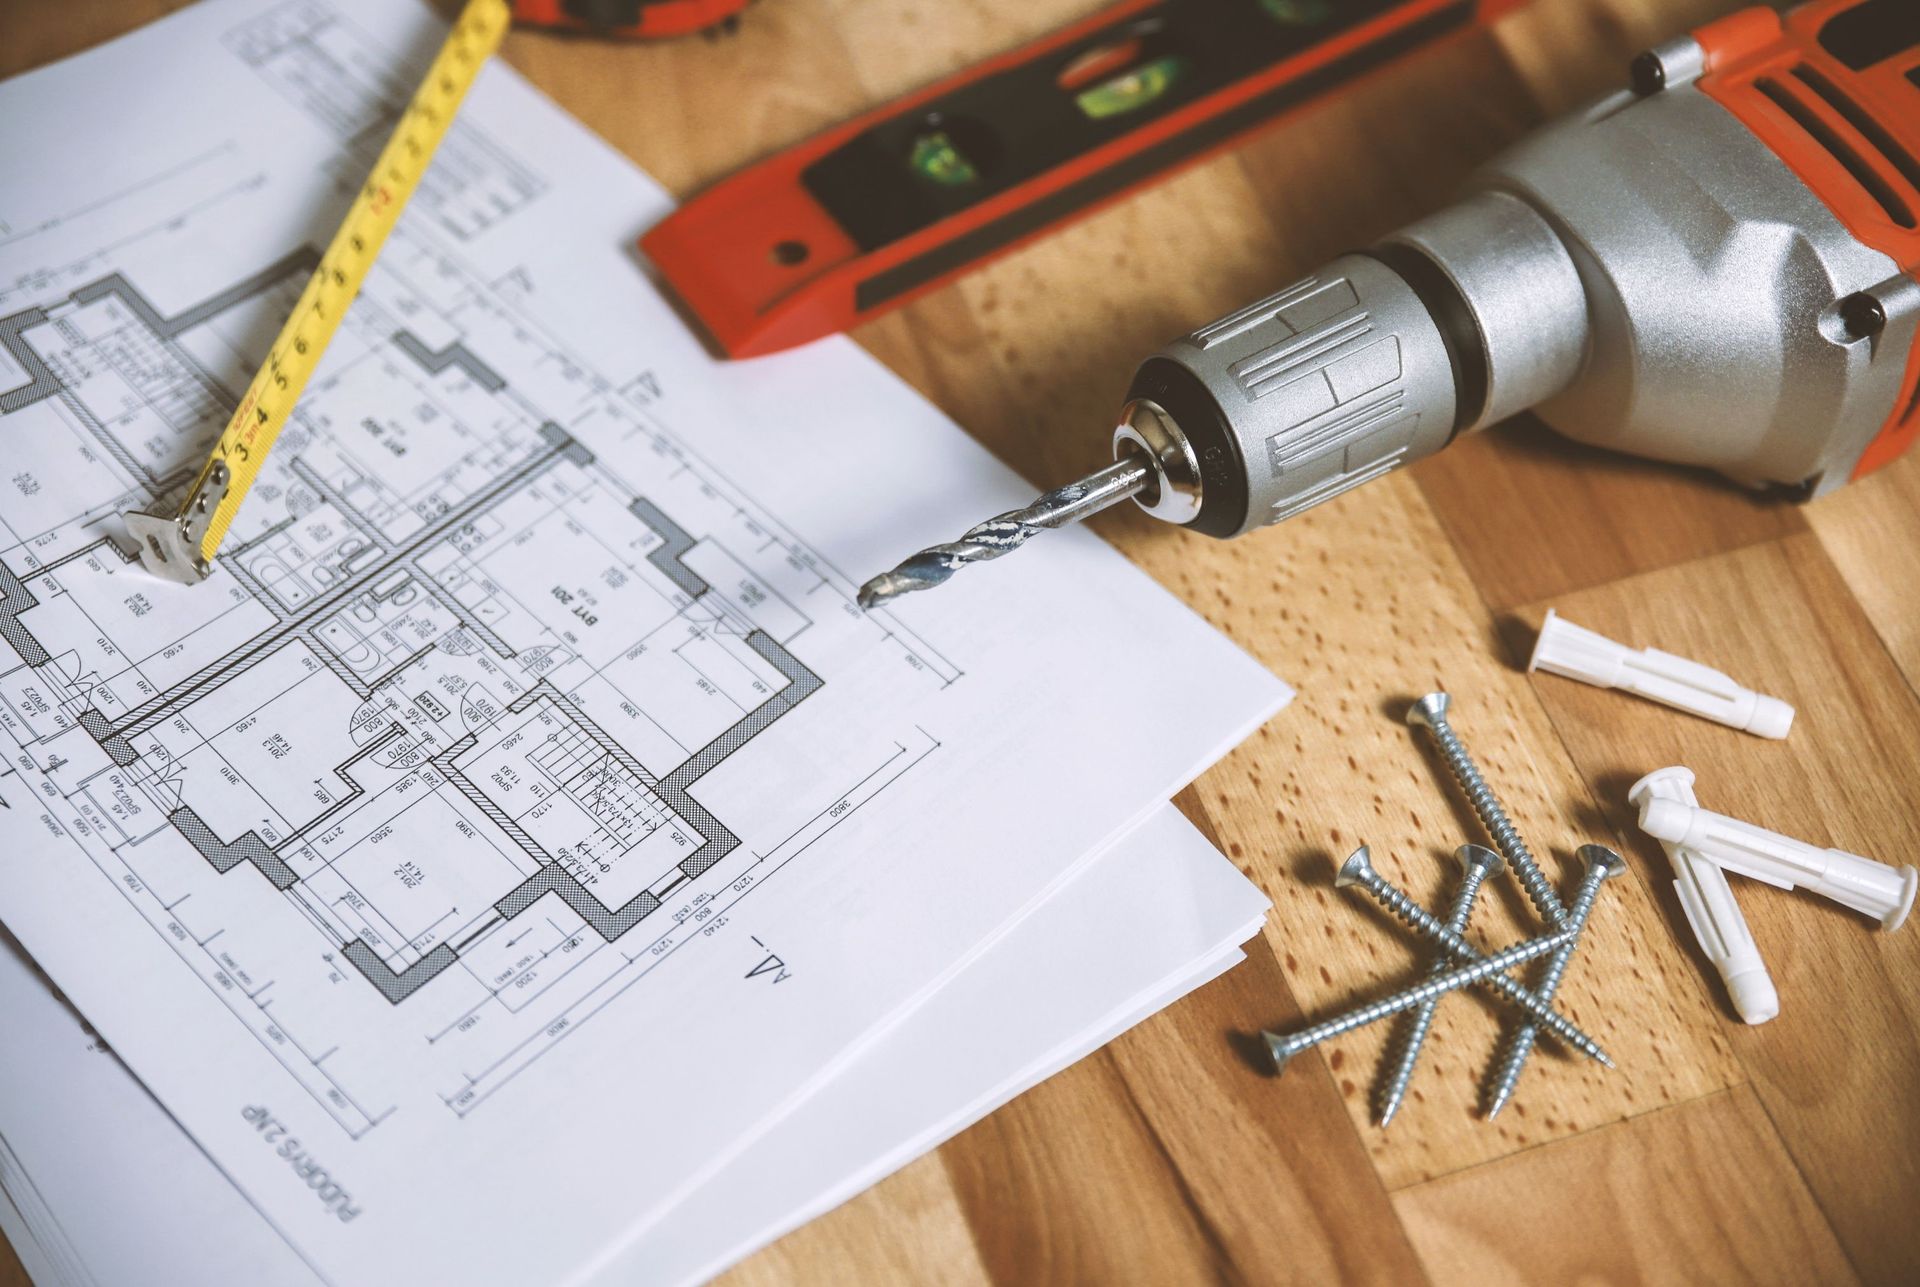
(180,546)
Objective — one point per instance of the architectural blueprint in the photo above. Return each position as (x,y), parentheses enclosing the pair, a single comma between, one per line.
(525,816)
(1146,922)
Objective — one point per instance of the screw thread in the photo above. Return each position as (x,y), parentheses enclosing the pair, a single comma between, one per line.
(1416,916)
(1424,921)
(1415,1035)
(1548,1018)
(1506,837)
(1457,977)
(1520,1041)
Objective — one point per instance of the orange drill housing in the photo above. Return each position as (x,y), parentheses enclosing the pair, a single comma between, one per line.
(1833,88)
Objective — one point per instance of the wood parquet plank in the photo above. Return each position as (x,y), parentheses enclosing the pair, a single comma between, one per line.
(1070,1184)
(1569,53)
(1697,1193)
(1837,1070)
(659,103)
(912,1229)
(1870,530)
(33,39)
(1387,152)
(1535,515)
(1222,1119)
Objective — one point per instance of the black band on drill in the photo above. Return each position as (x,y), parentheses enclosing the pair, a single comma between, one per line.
(1223,470)
(1459,330)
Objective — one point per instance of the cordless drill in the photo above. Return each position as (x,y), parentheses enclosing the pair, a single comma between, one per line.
(1717,266)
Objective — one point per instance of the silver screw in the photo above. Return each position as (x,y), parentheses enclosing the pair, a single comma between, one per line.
(1286,1047)
(1430,713)
(1477,865)
(1358,870)
(1602,864)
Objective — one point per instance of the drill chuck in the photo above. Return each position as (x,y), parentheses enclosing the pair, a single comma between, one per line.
(1377,360)
(1649,275)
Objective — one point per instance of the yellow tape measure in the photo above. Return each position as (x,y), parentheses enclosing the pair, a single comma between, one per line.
(181,546)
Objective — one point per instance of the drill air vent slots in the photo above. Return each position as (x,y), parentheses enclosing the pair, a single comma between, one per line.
(1863,124)
(1802,114)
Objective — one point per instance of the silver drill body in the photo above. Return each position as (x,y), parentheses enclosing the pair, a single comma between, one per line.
(1430,713)
(1645,272)
(1477,865)
(1285,1047)
(1602,864)
(1358,870)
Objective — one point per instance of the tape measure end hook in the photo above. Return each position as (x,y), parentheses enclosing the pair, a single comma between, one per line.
(171,545)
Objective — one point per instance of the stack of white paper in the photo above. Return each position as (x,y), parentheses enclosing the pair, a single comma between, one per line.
(522,861)
(140,1210)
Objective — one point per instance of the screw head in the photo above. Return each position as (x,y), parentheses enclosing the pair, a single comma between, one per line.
(1602,859)
(1863,315)
(1471,856)
(1281,1048)
(1429,710)
(1357,867)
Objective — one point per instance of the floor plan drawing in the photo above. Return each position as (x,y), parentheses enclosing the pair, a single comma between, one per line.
(456,689)
(523,819)
(318,60)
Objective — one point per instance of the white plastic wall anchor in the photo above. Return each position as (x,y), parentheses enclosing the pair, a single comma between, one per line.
(1579,653)
(1708,901)
(1882,892)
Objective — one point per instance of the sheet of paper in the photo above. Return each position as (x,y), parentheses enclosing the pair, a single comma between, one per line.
(524,816)
(121,1195)
(102,1187)
(1184,918)
(23,1234)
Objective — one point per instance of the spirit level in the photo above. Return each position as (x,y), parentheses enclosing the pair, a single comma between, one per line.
(882,209)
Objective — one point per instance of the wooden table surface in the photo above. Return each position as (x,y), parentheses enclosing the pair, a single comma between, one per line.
(1716,1152)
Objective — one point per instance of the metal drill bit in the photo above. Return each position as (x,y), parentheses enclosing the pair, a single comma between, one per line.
(1007,532)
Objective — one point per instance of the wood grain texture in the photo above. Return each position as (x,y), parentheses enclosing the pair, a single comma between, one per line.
(1699,1193)
(1841,1064)
(912,1228)
(1271,1165)
(1716,1152)
(1871,531)
(1504,497)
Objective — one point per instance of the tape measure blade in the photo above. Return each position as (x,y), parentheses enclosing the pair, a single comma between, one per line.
(202,522)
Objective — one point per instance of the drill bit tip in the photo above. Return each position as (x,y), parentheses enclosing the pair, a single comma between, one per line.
(881,589)
(1005,533)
